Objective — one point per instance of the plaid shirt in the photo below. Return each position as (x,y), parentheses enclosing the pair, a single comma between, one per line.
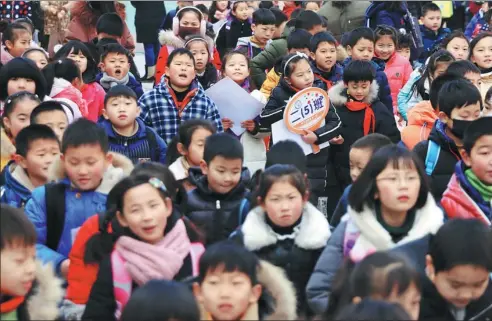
(161,113)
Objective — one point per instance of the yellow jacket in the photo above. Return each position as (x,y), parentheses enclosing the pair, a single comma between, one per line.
(271,81)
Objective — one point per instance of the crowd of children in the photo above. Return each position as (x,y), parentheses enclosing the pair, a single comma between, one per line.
(121,204)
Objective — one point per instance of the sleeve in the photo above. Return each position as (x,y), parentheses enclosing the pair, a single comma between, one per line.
(145,103)
(273,111)
(75,31)
(36,212)
(127,39)
(265,61)
(220,42)
(162,148)
(331,129)
(214,116)
(319,285)
(421,150)
(404,96)
(386,125)
(385,90)
(269,83)
(101,304)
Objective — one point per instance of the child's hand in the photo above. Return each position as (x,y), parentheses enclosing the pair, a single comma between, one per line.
(227,123)
(64,268)
(337,140)
(309,137)
(249,125)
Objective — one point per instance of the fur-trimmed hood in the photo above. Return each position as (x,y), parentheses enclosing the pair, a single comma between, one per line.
(338,94)
(312,233)
(168,38)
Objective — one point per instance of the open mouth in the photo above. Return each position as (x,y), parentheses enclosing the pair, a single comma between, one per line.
(118,72)
(183,76)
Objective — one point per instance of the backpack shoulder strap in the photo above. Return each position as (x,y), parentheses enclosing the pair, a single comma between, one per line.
(154,146)
(244,207)
(55,213)
(433,151)
(196,252)
(122,282)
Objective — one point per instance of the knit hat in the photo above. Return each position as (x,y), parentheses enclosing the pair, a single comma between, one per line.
(21,68)
(287,152)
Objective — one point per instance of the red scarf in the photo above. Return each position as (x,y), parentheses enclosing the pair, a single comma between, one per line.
(369,118)
(11,305)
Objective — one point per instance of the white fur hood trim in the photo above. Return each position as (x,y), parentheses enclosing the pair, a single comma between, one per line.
(314,230)
(336,97)
(43,303)
(168,38)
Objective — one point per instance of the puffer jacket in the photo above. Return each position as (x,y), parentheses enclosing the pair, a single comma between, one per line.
(80,205)
(93,95)
(18,187)
(421,119)
(64,89)
(431,41)
(398,70)
(462,200)
(328,78)
(132,83)
(377,14)
(448,157)
(208,210)
(296,253)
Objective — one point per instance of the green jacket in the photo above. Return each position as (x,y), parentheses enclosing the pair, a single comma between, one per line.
(344,16)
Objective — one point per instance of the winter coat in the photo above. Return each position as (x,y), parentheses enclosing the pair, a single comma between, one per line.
(370,236)
(52,21)
(167,23)
(132,83)
(421,119)
(344,16)
(272,80)
(209,210)
(250,48)
(7,149)
(352,128)
(12,10)
(18,187)
(485,83)
(398,70)
(229,34)
(160,109)
(64,89)
(407,97)
(377,14)
(341,208)
(431,41)
(137,147)
(5,56)
(448,157)
(80,205)
(209,77)
(328,78)
(296,253)
(82,25)
(93,95)
(148,18)
(462,200)
(474,27)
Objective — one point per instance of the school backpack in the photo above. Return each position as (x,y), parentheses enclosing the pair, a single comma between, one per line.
(55,213)
(433,151)
(155,150)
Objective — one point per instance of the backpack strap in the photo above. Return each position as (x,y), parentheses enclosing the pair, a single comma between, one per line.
(433,151)
(55,213)
(154,146)
(122,282)
(242,208)
(196,252)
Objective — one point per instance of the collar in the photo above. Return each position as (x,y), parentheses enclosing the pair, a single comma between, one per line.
(20,175)
(107,81)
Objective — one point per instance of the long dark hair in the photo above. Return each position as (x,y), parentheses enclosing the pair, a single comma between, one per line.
(89,75)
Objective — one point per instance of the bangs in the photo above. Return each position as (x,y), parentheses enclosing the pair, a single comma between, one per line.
(402,162)
(19,241)
(75,47)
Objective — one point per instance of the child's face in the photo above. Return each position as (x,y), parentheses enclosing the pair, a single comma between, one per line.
(222,174)
(459,48)
(15,85)
(221,5)
(441,68)
(20,116)
(242,11)
(487,109)
(79,59)
(302,75)
(385,47)
(145,213)
(408,300)
(121,111)
(194,153)
(227,295)
(358,159)
(41,154)
(405,52)
(116,65)
(17,47)
(85,165)
(39,58)
(200,53)
(362,50)
(181,71)
(313,6)
(279,30)
(252,6)
(359,89)
(18,269)
(237,68)
(189,23)
(398,188)
(480,159)
(474,78)
(283,203)
(432,20)
(55,119)
(482,53)
(325,56)
(263,33)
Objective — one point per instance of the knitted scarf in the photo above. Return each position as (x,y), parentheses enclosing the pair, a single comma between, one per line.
(107,81)
(484,189)
(369,118)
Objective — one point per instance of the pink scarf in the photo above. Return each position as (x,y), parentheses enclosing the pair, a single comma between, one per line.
(162,260)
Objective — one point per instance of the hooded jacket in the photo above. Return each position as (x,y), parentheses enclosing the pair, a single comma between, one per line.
(64,89)
(421,119)
(18,187)
(328,78)
(246,45)
(80,205)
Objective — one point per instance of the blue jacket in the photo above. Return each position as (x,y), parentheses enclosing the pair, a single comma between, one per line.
(476,25)
(132,83)
(377,14)
(431,41)
(384,94)
(137,147)
(328,78)
(79,205)
(15,191)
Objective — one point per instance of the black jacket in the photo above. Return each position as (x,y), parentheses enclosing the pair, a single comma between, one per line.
(352,128)
(230,32)
(148,18)
(448,157)
(209,77)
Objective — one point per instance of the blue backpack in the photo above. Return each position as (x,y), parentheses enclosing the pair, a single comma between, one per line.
(433,151)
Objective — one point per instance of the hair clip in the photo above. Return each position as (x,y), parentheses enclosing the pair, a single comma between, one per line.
(301,54)
(157,183)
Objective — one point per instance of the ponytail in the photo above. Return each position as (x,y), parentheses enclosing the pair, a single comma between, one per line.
(62,68)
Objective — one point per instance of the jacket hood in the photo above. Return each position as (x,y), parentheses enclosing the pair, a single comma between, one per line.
(338,94)
(7,148)
(200,181)
(438,135)
(17,180)
(246,41)
(168,38)
(422,114)
(477,201)
(59,85)
(313,232)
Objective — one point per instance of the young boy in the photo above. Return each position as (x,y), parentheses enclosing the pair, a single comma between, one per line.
(432,32)
(360,46)
(220,186)
(280,22)
(360,153)
(29,290)
(52,114)
(459,104)
(469,192)
(324,59)
(115,67)
(263,28)
(37,148)
(178,98)
(404,45)
(85,174)
(128,134)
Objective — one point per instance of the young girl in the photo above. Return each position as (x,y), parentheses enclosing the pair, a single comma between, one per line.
(206,73)
(397,69)
(238,25)
(64,80)
(16,39)
(389,204)
(457,44)
(481,55)
(38,55)
(285,229)
(369,309)
(219,11)
(154,244)
(91,91)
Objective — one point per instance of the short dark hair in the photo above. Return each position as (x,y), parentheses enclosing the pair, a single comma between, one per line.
(21,68)
(436,86)
(385,30)
(298,39)
(477,129)
(323,36)
(62,68)
(203,8)
(358,34)
(230,257)
(179,52)
(461,242)
(280,17)
(16,228)
(115,48)
(373,142)
(429,7)
(404,41)
(30,134)
(359,70)
(264,17)
(457,94)
(307,20)
(45,106)
(460,68)
(287,152)
(222,144)
(84,132)
(364,188)
(119,91)
(111,24)
(369,309)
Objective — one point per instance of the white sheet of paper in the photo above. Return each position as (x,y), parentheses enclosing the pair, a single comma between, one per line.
(280,132)
(234,102)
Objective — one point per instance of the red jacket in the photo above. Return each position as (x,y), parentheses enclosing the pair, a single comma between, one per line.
(398,70)
(93,94)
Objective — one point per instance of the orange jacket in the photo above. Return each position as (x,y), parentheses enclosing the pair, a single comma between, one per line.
(421,119)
